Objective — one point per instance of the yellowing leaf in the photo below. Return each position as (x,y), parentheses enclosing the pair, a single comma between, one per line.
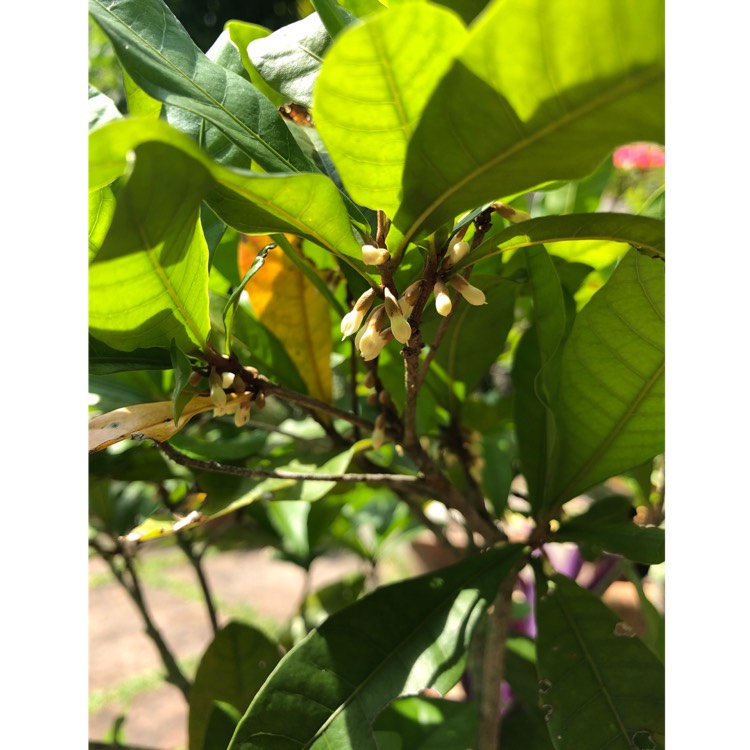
(147,421)
(288,304)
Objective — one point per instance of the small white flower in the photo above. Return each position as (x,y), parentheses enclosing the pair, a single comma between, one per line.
(374,256)
(511,214)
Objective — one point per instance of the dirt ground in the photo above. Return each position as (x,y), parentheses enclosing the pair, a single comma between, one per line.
(124,665)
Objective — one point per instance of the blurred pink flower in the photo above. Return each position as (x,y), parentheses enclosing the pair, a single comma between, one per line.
(638,156)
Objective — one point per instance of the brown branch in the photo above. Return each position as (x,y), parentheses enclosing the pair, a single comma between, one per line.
(492,669)
(241,471)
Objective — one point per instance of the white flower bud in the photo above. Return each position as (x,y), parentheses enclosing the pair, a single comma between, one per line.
(443,302)
(456,252)
(373,342)
(378,433)
(399,325)
(218,397)
(409,298)
(351,322)
(470,293)
(374,256)
(227,378)
(510,213)
(242,415)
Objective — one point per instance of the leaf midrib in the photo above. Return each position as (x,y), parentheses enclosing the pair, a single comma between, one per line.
(628,86)
(206,94)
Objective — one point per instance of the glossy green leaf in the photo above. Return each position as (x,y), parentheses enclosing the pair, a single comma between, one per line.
(536,371)
(540,91)
(598,684)
(475,337)
(644,233)
(362,8)
(242,34)
(232,670)
(102,205)
(289,59)
(427,724)
(373,86)
(400,639)
(148,284)
(308,205)
(334,17)
(162,59)
(140,104)
(610,409)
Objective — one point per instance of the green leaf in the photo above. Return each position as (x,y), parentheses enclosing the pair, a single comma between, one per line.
(643,233)
(182,371)
(599,686)
(232,670)
(230,309)
(148,283)
(427,724)
(475,337)
(373,86)
(536,374)
(327,691)
(242,34)
(163,60)
(333,16)
(610,409)
(140,104)
(220,726)
(101,109)
(541,90)
(289,59)
(308,205)
(104,359)
(102,205)
(639,543)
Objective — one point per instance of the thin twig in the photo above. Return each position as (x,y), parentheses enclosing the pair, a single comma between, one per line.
(187,546)
(241,471)
(174,673)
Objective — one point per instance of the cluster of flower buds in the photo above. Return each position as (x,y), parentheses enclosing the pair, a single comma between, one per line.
(374,335)
(220,382)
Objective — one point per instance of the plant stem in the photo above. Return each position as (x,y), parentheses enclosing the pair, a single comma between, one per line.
(195,561)
(493,666)
(241,471)
(174,673)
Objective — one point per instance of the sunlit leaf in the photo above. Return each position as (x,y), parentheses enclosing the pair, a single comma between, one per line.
(400,639)
(308,205)
(101,109)
(541,90)
(148,284)
(289,59)
(102,205)
(577,237)
(294,310)
(610,410)
(373,86)
(599,685)
(164,61)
